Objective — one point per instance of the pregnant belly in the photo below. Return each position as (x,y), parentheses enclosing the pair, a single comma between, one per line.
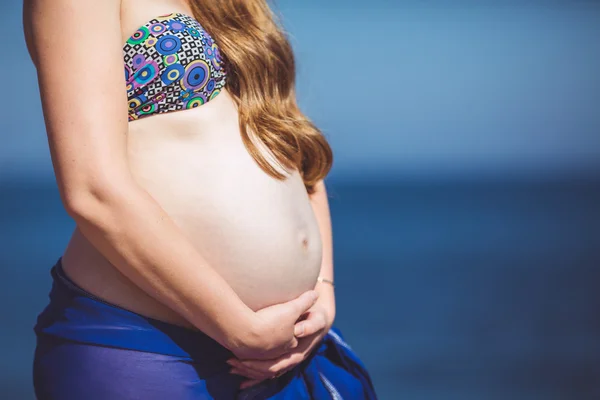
(268,250)
(259,233)
(265,244)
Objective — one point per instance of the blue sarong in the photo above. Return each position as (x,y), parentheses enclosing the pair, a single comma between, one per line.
(90,349)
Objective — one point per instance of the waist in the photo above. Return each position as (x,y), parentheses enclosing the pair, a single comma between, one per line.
(77,315)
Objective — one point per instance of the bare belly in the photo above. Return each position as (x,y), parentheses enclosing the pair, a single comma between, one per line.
(258,232)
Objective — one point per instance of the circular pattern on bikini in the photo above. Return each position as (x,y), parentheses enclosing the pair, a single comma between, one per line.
(194,32)
(146,73)
(134,103)
(209,52)
(207,40)
(150,42)
(170,59)
(157,28)
(137,101)
(172,74)
(210,85)
(196,76)
(214,94)
(168,44)
(139,36)
(147,109)
(152,78)
(213,54)
(176,26)
(195,101)
(138,61)
(185,94)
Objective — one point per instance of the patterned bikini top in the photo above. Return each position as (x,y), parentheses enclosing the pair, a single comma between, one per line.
(171,63)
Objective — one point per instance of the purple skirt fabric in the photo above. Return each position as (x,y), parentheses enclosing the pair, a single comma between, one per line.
(90,349)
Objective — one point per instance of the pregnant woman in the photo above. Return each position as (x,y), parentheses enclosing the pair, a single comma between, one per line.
(201,264)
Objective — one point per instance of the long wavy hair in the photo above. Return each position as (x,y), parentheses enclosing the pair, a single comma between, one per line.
(261,74)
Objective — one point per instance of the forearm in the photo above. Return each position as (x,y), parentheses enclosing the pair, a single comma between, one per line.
(136,235)
(320,205)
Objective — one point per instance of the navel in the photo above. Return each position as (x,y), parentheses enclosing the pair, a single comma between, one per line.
(305,244)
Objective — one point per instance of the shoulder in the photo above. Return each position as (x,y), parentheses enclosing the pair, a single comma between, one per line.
(47,22)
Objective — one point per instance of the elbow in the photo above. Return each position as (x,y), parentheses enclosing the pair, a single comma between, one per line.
(94,202)
(80,203)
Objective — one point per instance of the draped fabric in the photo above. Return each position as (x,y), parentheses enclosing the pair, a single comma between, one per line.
(90,349)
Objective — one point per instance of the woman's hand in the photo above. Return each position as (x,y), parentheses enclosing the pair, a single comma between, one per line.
(311,330)
(275,328)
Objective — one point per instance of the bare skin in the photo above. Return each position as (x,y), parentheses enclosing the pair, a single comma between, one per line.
(258,233)
(319,318)
(174,219)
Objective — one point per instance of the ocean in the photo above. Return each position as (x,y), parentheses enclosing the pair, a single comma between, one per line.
(445,289)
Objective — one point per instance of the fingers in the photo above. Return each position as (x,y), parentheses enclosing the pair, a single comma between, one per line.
(247,372)
(303,302)
(315,322)
(292,344)
(267,369)
(247,384)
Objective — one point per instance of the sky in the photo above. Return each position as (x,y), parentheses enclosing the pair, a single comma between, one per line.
(404,88)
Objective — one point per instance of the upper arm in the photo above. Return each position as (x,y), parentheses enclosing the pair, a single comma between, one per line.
(27,30)
(78,56)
